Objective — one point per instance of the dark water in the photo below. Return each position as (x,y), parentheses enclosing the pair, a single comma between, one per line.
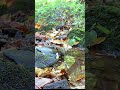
(107,71)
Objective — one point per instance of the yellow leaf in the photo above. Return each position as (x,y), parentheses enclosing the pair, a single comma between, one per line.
(99,40)
(76,43)
(80,77)
(37,26)
(42,72)
(66,10)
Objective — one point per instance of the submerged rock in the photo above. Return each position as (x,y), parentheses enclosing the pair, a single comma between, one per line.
(22,57)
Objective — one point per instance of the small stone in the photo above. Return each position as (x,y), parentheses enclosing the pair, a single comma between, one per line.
(63,84)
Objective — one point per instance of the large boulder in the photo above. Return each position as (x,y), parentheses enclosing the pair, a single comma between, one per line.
(22,57)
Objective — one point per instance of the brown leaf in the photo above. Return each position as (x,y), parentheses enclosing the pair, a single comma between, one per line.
(9,2)
(19,26)
(47,72)
(80,77)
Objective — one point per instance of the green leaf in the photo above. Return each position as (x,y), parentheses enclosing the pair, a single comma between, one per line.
(86,50)
(90,37)
(103,29)
(78,38)
(71,42)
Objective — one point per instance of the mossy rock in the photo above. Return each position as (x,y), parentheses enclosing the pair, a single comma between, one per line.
(21,57)
(44,60)
(77,53)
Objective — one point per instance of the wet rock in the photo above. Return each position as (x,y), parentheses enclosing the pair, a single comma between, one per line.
(44,57)
(63,84)
(44,50)
(22,57)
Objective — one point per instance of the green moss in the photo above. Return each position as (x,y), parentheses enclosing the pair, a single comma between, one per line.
(75,52)
(15,77)
(69,60)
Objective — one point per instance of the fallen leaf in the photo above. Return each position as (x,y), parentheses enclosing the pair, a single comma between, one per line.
(9,2)
(37,26)
(46,72)
(80,77)
(98,40)
(19,26)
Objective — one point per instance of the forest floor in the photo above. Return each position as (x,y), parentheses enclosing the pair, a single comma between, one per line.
(56,60)
(61,61)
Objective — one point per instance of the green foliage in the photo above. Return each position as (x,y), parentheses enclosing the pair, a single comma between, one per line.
(60,12)
(71,42)
(49,12)
(69,60)
(103,29)
(92,36)
(107,17)
(78,35)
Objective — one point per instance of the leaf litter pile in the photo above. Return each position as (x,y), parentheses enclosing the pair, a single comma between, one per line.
(14,33)
(59,62)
